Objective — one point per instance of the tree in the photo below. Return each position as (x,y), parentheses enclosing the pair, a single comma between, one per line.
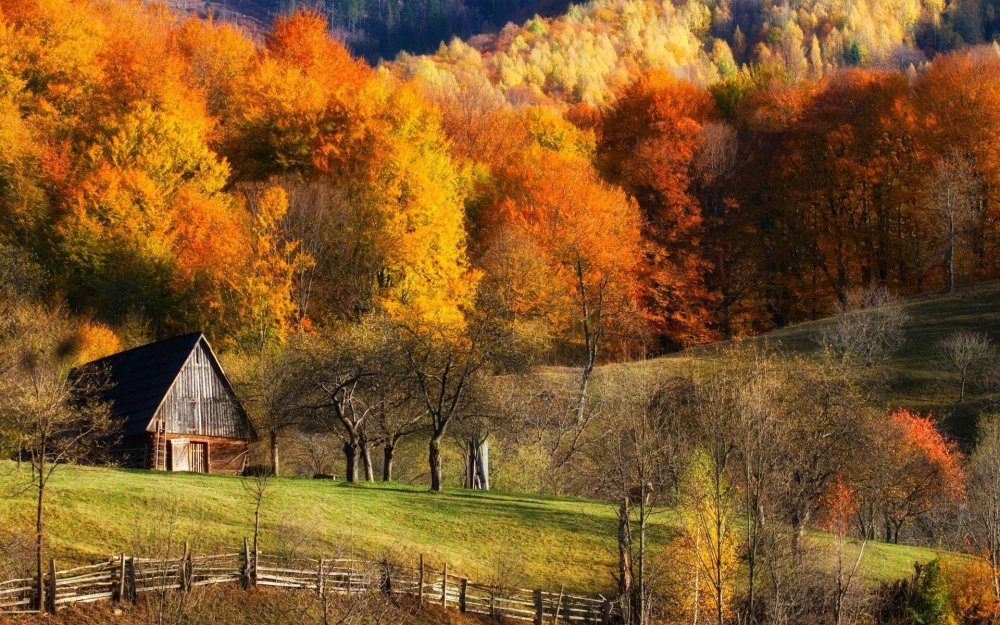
(443,365)
(867,328)
(56,408)
(919,468)
(338,365)
(636,468)
(838,509)
(648,144)
(952,196)
(706,552)
(984,497)
(266,286)
(967,353)
(273,385)
(588,241)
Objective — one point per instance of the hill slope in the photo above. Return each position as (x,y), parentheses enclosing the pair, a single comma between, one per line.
(916,377)
(96,512)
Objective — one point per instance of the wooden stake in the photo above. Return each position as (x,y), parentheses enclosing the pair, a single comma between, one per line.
(184,567)
(130,586)
(121,580)
(53,586)
(605,612)
(420,591)
(558,604)
(539,607)
(319,577)
(246,563)
(462,593)
(444,587)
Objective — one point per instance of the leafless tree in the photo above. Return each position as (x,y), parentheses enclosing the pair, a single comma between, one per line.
(968,354)
(273,385)
(257,485)
(313,453)
(636,468)
(984,496)
(867,328)
(443,366)
(952,194)
(57,409)
(338,366)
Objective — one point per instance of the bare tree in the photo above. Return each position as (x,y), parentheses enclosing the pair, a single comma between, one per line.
(273,384)
(443,364)
(867,328)
(967,353)
(339,364)
(313,453)
(257,486)
(952,194)
(58,409)
(984,496)
(636,467)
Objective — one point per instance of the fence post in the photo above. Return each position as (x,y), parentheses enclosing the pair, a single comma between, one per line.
(444,587)
(130,588)
(53,586)
(462,593)
(386,577)
(420,590)
(539,607)
(319,577)
(605,612)
(558,605)
(185,578)
(120,596)
(247,579)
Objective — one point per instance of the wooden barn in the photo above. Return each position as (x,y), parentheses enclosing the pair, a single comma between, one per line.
(177,408)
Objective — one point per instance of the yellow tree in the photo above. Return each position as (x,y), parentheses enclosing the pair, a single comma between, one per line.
(263,306)
(704,556)
(419,218)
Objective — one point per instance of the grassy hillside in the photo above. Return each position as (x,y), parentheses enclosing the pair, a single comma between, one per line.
(96,512)
(916,377)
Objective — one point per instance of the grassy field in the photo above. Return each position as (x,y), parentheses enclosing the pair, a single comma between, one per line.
(915,376)
(96,512)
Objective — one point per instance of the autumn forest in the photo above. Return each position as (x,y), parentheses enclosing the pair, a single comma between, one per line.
(467,243)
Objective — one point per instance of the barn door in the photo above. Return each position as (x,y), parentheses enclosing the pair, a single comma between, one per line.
(199,457)
(180,454)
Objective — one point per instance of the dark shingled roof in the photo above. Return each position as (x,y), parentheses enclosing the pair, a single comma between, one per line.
(141,377)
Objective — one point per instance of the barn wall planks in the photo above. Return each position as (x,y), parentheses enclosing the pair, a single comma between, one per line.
(225,455)
(200,404)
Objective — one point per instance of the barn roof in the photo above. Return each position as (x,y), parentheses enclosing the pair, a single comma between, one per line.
(141,377)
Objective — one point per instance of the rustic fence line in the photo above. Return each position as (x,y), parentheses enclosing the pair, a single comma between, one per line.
(124,578)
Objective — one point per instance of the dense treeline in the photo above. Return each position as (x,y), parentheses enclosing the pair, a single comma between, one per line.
(172,172)
(599,46)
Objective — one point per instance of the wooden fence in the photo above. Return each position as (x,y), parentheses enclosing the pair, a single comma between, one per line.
(124,578)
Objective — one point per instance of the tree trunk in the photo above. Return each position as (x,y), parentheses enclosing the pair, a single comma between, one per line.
(434,460)
(624,550)
(387,453)
(40,531)
(477,464)
(351,458)
(275,461)
(366,459)
(951,258)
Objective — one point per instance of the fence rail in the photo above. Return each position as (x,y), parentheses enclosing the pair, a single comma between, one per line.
(124,578)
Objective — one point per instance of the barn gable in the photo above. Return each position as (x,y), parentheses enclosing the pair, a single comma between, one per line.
(201,400)
(178,382)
